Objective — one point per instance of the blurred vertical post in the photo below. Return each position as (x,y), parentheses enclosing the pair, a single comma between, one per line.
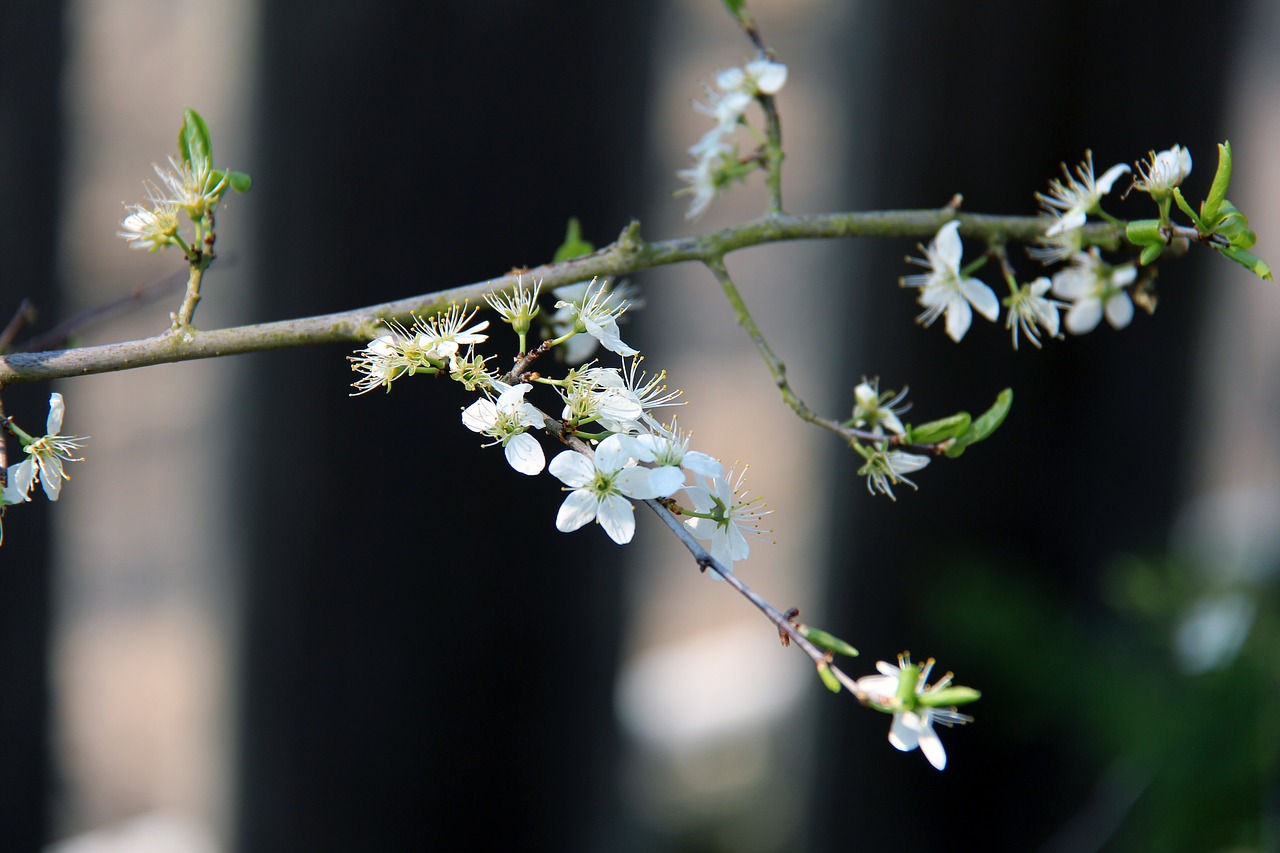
(31,51)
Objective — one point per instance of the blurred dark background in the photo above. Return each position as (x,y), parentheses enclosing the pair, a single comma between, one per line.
(418,660)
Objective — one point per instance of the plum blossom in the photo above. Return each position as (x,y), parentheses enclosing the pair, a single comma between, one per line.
(1070,201)
(506,421)
(1095,288)
(1164,171)
(668,451)
(600,488)
(723,515)
(597,315)
(945,290)
(913,720)
(877,412)
(45,457)
(884,469)
(1029,308)
(151,226)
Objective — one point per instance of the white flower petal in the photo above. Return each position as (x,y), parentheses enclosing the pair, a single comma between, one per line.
(931,746)
(480,416)
(636,483)
(948,246)
(618,518)
(981,297)
(959,316)
(1108,178)
(612,454)
(1084,316)
(56,410)
(904,734)
(524,453)
(21,477)
(702,464)
(1119,310)
(572,468)
(666,481)
(579,508)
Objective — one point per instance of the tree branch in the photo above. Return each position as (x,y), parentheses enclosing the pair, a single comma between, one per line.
(628,254)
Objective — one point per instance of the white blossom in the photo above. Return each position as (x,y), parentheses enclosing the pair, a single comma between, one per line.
(1164,171)
(1071,200)
(441,336)
(738,87)
(1095,288)
(150,227)
(885,469)
(518,307)
(877,412)
(506,421)
(945,290)
(597,315)
(45,457)
(195,190)
(730,515)
(600,488)
(668,450)
(912,722)
(1029,308)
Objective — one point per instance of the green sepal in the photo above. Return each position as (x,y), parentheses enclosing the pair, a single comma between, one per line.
(827,642)
(1212,204)
(194,143)
(948,696)
(987,423)
(939,430)
(573,246)
(908,677)
(1150,253)
(828,678)
(1144,232)
(239,181)
(1248,260)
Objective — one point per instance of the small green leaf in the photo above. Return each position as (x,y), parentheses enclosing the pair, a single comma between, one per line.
(1186,208)
(939,430)
(985,425)
(193,142)
(737,8)
(948,696)
(1212,205)
(1248,260)
(1150,253)
(1234,225)
(827,642)
(1144,232)
(239,181)
(573,246)
(828,678)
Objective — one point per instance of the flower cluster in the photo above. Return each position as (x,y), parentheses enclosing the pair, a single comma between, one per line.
(716,161)
(189,184)
(46,458)
(1087,287)
(619,451)
(194,189)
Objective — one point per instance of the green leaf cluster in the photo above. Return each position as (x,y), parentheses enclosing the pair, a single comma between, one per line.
(961,429)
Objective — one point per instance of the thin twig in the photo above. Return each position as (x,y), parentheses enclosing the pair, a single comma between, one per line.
(139,296)
(773,614)
(25,314)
